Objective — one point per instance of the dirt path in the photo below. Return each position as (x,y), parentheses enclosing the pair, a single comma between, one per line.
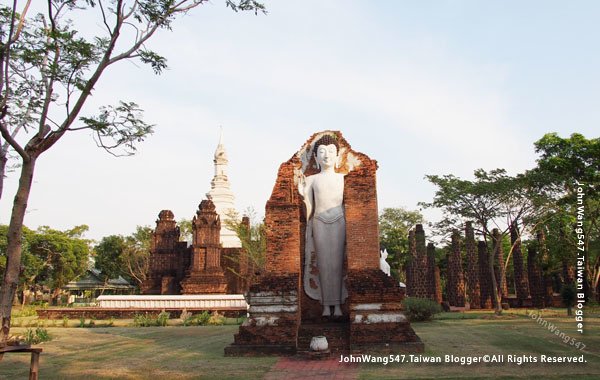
(294,369)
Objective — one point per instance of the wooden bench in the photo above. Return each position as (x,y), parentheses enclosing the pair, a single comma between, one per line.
(35,357)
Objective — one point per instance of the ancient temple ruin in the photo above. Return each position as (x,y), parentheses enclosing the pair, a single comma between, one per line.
(202,268)
(213,263)
(468,282)
(283,317)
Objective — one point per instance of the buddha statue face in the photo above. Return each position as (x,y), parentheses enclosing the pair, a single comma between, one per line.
(326,156)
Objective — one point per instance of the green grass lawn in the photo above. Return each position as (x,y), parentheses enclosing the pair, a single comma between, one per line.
(197,352)
(514,334)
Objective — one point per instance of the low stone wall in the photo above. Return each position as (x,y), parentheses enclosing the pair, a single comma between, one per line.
(231,305)
(116,313)
(203,302)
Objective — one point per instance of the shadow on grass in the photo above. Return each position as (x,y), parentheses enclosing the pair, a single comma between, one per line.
(140,353)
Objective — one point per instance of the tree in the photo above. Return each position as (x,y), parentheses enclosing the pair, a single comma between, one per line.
(185,229)
(109,256)
(64,255)
(48,72)
(252,235)
(394,224)
(493,200)
(568,165)
(136,255)
(50,257)
(126,256)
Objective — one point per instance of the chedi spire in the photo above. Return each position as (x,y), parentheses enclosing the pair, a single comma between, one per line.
(221,195)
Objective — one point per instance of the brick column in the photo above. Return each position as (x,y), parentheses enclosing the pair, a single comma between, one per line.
(433,276)
(412,262)
(455,286)
(473,288)
(499,270)
(421,278)
(485,280)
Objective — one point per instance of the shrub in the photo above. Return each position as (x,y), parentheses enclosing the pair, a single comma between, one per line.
(81,322)
(202,318)
(36,336)
(65,321)
(186,317)
(162,319)
(142,320)
(421,309)
(27,311)
(216,319)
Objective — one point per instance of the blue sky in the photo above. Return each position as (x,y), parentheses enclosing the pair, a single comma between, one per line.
(423,87)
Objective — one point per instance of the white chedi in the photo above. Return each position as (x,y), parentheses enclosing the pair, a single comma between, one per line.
(223,198)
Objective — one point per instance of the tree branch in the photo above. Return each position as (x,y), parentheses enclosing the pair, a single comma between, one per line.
(13,143)
(104,20)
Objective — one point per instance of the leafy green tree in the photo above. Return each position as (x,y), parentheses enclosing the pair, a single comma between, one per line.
(47,73)
(108,256)
(185,229)
(252,235)
(63,256)
(50,257)
(569,164)
(136,255)
(125,256)
(394,224)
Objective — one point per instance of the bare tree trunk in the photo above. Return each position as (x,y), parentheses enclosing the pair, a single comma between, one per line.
(14,247)
(3,161)
(495,293)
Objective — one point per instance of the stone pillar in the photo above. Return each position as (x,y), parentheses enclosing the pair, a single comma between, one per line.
(485,280)
(455,285)
(521,283)
(499,270)
(421,279)
(412,262)
(362,219)
(433,276)
(473,287)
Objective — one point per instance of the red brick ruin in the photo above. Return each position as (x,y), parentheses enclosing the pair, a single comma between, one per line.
(283,319)
(422,272)
(202,268)
(533,284)
(473,288)
(455,285)
(485,277)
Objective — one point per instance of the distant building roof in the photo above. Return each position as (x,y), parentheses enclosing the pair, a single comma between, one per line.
(92,279)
